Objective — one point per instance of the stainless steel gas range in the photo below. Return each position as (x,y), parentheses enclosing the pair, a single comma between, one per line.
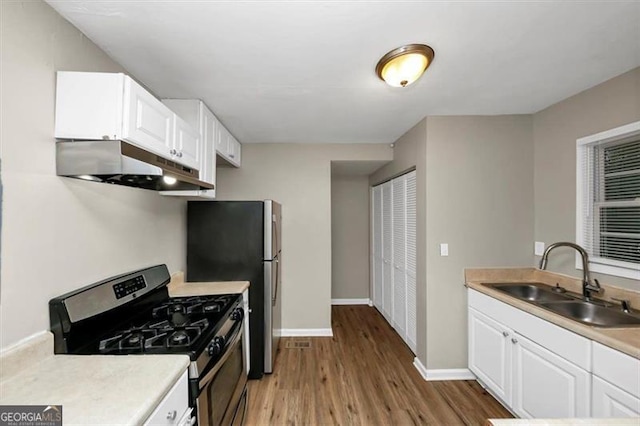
(133,314)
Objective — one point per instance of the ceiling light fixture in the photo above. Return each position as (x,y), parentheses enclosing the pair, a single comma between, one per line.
(404,65)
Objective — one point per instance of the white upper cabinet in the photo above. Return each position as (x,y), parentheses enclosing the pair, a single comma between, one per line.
(146,121)
(196,115)
(108,106)
(187,146)
(228,147)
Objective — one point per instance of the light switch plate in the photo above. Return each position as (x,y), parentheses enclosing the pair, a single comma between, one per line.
(539,248)
(444,249)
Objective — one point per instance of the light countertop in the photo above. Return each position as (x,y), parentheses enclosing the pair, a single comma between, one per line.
(624,339)
(92,389)
(563,422)
(179,288)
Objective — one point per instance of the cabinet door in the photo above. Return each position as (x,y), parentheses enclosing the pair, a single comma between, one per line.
(236,156)
(387,251)
(490,354)
(208,151)
(186,144)
(222,140)
(399,257)
(147,122)
(172,408)
(546,385)
(376,230)
(610,401)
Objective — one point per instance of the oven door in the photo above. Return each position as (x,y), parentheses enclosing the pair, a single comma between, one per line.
(222,388)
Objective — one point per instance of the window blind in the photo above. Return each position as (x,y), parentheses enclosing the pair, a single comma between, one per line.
(610,194)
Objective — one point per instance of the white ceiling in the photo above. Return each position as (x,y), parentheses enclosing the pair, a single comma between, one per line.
(303,71)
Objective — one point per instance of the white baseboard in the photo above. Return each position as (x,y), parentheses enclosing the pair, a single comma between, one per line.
(307,332)
(351,302)
(443,374)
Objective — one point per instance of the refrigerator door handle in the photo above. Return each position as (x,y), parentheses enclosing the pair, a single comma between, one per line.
(275,293)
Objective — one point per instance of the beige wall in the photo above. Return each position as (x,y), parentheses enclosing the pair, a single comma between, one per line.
(475,192)
(409,152)
(299,177)
(350,237)
(59,234)
(555,130)
(480,202)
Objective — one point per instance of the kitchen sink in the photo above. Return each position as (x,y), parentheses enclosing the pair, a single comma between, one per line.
(592,314)
(532,292)
(570,305)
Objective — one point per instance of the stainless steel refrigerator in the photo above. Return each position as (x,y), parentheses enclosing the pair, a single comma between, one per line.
(237,241)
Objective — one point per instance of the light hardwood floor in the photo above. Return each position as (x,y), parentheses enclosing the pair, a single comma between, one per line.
(364,375)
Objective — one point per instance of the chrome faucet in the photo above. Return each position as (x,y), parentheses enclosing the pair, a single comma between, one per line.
(587,287)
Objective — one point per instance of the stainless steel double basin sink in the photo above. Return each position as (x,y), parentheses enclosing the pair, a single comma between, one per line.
(570,305)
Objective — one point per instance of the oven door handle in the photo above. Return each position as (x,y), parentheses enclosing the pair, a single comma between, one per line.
(209,376)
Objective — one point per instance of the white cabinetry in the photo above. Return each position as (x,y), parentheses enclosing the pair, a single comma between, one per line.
(228,147)
(197,116)
(106,106)
(490,354)
(174,409)
(616,383)
(393,255)
(546,385)
(537,369)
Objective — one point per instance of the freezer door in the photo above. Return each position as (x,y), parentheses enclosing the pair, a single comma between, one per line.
(272,229)
(273,312)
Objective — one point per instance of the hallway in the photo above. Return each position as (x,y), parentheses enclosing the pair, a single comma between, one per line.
(364,375)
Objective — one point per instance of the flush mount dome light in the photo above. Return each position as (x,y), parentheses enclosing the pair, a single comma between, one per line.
(404,65)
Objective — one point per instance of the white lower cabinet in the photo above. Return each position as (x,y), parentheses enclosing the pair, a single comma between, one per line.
(174,409)
(533,378)
(490,354)
(611,401)
(546,385)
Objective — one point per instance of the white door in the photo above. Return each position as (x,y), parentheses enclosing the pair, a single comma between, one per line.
(147,122)
(490,353)
(387,251)
(411,274)
(399,256)
(611,401)
(546,385)
(186,144)
(376,253)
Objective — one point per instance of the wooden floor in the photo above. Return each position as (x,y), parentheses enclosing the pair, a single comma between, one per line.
(364,375)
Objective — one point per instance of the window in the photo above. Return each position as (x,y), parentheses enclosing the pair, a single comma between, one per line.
(608,200)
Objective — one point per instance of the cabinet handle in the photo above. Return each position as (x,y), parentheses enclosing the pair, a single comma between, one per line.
(173,152)
(505,333)
(179,154)
(232,156)
(172,415)
(514,340)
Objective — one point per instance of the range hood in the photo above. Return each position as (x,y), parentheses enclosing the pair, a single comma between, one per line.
(120,163)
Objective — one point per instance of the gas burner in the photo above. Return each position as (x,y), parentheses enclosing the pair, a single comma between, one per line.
(131,340)
(181,338)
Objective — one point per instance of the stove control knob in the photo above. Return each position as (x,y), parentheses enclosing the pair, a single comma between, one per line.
(215,348)
(237,314)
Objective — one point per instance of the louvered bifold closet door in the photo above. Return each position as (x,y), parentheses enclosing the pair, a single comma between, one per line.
(387,251)
(411,233)
(376,256)
(399,257)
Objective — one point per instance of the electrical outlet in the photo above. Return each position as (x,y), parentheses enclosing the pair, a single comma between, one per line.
(539,248)
(444,249)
